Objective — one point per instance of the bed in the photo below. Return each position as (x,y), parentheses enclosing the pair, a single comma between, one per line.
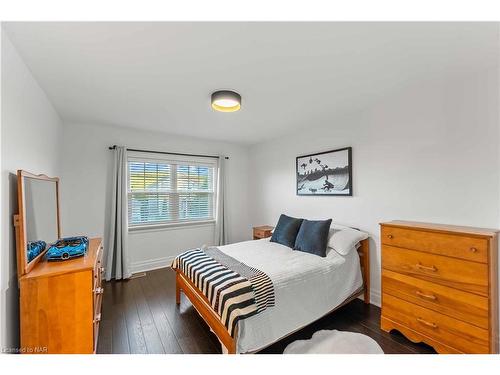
(307,287)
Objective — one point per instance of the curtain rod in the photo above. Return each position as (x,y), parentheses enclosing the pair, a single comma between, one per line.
(171,153)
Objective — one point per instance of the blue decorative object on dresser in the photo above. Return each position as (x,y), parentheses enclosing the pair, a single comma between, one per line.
(35,248)
(313,237)
(286,230)
(67,248)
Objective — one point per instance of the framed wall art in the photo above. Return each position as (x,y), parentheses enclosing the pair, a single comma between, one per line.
(325,173)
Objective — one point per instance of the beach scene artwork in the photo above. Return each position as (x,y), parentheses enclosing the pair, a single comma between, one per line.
(325,173)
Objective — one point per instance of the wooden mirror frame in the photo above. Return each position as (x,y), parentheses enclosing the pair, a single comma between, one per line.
(23,267)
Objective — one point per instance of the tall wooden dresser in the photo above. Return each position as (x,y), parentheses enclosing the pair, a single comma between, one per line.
(440,285)
(60,304)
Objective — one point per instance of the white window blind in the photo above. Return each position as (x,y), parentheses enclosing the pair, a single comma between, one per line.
(170,191)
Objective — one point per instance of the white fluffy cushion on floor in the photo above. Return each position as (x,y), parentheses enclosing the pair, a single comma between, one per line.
(335,342)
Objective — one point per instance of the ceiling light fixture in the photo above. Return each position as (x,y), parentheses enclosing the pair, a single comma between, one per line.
(226,101)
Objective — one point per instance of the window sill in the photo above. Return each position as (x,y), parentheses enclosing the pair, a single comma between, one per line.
(170,226)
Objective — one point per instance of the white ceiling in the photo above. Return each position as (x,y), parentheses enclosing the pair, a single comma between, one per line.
(159,76)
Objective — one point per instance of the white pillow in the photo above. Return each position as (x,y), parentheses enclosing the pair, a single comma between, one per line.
(336,226)
(344,240)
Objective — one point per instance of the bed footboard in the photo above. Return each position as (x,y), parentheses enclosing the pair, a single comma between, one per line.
(202,305)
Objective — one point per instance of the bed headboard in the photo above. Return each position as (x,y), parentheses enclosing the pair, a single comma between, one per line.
(364,257)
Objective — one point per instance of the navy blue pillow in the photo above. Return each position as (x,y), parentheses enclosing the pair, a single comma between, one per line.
(286,230)
(313,237)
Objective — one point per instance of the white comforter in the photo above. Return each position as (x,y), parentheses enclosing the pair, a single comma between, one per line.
(306,287)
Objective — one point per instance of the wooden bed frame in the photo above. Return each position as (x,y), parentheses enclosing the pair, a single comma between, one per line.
(202,305)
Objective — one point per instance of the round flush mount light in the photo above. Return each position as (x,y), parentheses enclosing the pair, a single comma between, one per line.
(226,101)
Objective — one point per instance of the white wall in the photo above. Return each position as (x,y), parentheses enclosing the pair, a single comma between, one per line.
(30,137)
(428,152)
(85,184)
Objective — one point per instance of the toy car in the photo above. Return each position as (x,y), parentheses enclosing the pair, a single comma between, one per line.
(35,248)
(66,248)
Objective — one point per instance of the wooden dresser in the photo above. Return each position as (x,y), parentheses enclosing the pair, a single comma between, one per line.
(61,304)
(440,285)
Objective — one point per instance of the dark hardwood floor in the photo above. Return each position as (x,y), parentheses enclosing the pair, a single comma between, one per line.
(140,316)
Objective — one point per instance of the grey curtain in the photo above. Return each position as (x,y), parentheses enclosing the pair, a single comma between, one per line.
(221,235)
(117,260)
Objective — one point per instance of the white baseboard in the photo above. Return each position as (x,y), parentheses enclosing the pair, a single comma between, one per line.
(375,297)
(151,264)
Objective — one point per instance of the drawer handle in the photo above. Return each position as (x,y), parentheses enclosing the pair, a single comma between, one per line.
(473,250)
(426,268)
(428,296)
(99,290)
(97,318)
(426,323)
(390,236)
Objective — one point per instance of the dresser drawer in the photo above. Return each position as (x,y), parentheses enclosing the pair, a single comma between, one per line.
(98,258)
(98,269)
(457,246)
(461,305)
(97,277)
(97,307)
(96,335)
(97,322)
(98,293)
(449,331)
(456,273)
(260,233)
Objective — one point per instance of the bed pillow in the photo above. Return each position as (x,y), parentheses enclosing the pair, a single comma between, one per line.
(344,240)
(286,230)
(313,237)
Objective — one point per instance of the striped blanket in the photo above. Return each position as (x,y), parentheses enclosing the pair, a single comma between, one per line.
(234,290)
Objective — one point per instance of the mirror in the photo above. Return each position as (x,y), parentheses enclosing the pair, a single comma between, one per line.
(37,224)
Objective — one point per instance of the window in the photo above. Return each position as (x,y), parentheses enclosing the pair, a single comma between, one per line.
(170,191)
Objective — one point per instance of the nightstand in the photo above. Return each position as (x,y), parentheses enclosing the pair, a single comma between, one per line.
(262,231)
